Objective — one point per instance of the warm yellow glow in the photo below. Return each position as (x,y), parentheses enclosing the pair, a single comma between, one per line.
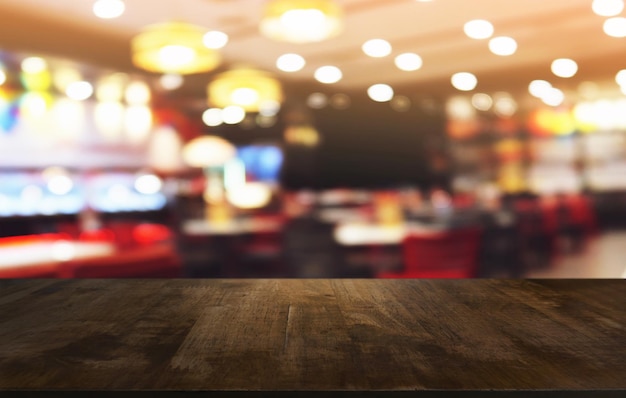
(301,21)
(164,150)
(620,77)
(173,47)
(553,97)
(38,80)
(111,87)
(317,100)
(328,74)
(478,29)
(376,48)
(3,76)
(70,118)
(247,88)
(503,46)
(252,195)
(137,123)
(34,105)
(482,101)
(380,92)
(62,77)
(408,62)
(504,104)
(109,119)
(137,93)
(171,81)
(564,67)
(208,151)
(464,81)
(460,108)
(304,135)
(290,62)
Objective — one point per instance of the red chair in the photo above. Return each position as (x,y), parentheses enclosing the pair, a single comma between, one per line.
(450,254)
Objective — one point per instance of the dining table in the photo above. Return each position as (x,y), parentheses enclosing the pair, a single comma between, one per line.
(419,337)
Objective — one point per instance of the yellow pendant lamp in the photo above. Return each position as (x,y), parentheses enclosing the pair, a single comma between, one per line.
(301,21)
(173,47)
(251,89)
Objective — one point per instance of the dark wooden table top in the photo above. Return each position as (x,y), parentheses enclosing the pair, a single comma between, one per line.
(313,334)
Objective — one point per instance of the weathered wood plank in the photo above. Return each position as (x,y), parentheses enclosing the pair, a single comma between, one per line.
(321,334)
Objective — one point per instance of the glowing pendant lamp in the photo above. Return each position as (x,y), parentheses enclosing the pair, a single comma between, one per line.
(301,21)
(251,89)
(173,47)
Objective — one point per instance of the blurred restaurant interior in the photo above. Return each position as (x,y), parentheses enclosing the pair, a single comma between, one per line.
(312,138)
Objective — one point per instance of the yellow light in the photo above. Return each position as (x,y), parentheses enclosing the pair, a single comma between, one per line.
(464,81)
(290,62)
(108,9)
(164,150)
(301,21)
(111,87)
(247,88)
(137,93)
(109,119)
(607,8)
(34,105)
(304,135)
(137,123)
(380,92)
(34,65)
(252,195)
(564,67)
(615,27)
(173,47)
(478,29)
(207,151)
(328,74)
(408,62)
(3,76)
(376,48)
(503,46)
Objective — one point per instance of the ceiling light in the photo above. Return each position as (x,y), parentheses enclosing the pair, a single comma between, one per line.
(607,8)
(482,101)
(504,105)
(79,91)
(503,45)
(244,87)
(615,27)
(460,108)
(108,9)
(173,47)
(380,92)
(137,93)
(376,48)
(301,21)
(554,97)
(400,103)
(478,29)
(538,88)
(464,81)
(317,100)
(33,65)
(212,117)
(171,81)
(328,74)
(290,62)
(3,77)
(207,151)
(233,114)
(340,101)
(564,67)
(408,62)
(620,77)
(215,39)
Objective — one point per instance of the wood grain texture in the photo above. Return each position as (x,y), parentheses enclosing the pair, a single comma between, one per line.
(313,334)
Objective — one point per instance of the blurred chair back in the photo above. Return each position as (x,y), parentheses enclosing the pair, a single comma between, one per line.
(449,254)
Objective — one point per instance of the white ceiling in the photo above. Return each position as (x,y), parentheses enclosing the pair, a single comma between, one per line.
(544,30)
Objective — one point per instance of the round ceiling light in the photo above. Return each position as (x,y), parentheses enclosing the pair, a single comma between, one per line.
(408,62)
(301,21)
(564,67)
(376,48)
(464,81)
(503,45)
(478,29)
(328,74)
(380,92)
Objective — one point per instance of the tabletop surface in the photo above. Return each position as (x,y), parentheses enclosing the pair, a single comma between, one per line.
(320,334)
